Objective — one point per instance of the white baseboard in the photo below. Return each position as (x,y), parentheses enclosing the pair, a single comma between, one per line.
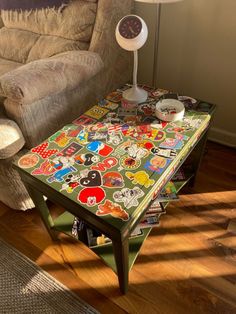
(222,137)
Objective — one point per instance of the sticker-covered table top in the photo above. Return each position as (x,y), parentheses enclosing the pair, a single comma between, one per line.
(114,157)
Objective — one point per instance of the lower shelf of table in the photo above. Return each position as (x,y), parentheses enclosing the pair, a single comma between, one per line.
(64,224)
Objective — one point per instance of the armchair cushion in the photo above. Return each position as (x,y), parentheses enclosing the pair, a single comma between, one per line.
(11,138)
(7,66)
(42,78)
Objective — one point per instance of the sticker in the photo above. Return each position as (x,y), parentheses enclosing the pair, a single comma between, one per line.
(114,138)
(127,112)
(83,120)
(135,119)
(112,118)
(157,164)
(74,132)
(114,128)
(43,151)
(58,176)
(61,162)
(204,107)
(147,109)
(108,104)
(113,209)
(28,161)
(140,177)
(70,150)
(105,164)
(158,92)
(54,136)
(128,105)
(96,112)
(145,144)
(137,152)
(93,136)
(172,143)
(91,196)
(93,178)
(62,139)
(46,169)
(129,163)
(157,124)
(128,196)
(100,148)
(86,159)
(191,123)
(176,129)
(157,135)
(189,102)
(71,182)
(122,149)
(164,152)
(115,96)
(113,179)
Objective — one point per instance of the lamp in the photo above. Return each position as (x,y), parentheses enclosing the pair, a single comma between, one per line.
(131,34)
(157,31)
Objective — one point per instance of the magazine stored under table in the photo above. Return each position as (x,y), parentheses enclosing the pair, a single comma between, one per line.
(108,166)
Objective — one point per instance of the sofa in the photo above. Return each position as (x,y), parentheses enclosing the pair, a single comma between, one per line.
(54,64)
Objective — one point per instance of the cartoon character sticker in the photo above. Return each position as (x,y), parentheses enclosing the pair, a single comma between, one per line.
(86,159)
(64,166)
(113,179)
(141,178)
(28,161)
(174,143)
(164,152)
(71,182)
(46,169)
(157,164)
(91,196)
(113,209)
(128,196)
(96,112)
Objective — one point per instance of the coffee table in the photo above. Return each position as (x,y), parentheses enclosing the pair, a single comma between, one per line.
(110,164)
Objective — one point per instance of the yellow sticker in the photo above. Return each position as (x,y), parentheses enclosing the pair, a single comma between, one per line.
(96,112)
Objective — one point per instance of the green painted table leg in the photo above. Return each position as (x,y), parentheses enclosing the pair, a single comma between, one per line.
(198,153)
(121,252)
(42,207)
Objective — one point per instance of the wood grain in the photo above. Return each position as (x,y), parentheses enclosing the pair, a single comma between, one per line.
(187,265)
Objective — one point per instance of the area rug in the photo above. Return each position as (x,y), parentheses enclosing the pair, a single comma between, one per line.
(26,288)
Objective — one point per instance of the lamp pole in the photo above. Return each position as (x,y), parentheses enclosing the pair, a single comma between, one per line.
(157,33)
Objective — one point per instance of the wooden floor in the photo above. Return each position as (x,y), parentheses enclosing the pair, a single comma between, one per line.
(188,265)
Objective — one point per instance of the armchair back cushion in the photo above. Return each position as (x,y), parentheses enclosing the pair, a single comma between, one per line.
(46,32)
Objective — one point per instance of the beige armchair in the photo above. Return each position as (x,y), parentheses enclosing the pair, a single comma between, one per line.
(53,65)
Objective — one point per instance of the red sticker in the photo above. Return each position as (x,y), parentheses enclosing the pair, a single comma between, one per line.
(113,179)
(91,196)
(105,164)
(43,151)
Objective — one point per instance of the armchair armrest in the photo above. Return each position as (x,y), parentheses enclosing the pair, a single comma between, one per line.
(45,77)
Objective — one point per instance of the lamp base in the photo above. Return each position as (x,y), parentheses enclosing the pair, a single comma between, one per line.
(135,94)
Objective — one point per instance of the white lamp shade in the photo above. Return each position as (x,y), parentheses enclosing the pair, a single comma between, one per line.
(158,1)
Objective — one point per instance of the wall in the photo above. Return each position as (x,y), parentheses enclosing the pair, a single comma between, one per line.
(197,56)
